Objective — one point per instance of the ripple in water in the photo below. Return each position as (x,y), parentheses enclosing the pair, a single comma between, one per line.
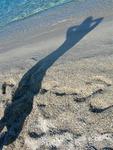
(13,10)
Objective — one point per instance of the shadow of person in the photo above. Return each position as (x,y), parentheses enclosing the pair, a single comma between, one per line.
(30,84)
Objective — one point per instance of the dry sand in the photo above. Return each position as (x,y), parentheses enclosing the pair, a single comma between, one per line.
(58,87)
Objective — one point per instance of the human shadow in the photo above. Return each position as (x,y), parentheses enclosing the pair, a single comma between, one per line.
(30,84)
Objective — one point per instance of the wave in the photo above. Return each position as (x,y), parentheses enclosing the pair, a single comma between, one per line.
(15,10)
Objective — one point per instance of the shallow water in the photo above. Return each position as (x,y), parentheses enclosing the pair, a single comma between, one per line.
(12,10)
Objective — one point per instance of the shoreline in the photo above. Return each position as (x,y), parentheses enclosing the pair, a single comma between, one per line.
(35,25)
(45,41)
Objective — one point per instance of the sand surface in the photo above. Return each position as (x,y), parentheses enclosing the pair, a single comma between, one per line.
(57,86)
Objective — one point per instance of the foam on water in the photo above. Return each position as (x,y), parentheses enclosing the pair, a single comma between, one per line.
(13,10)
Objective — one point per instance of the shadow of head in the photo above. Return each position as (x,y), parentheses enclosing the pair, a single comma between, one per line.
(76,33)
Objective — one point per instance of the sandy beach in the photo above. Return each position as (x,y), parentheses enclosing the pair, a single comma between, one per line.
(57,83)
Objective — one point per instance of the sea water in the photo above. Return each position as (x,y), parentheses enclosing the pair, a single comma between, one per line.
(13,10)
